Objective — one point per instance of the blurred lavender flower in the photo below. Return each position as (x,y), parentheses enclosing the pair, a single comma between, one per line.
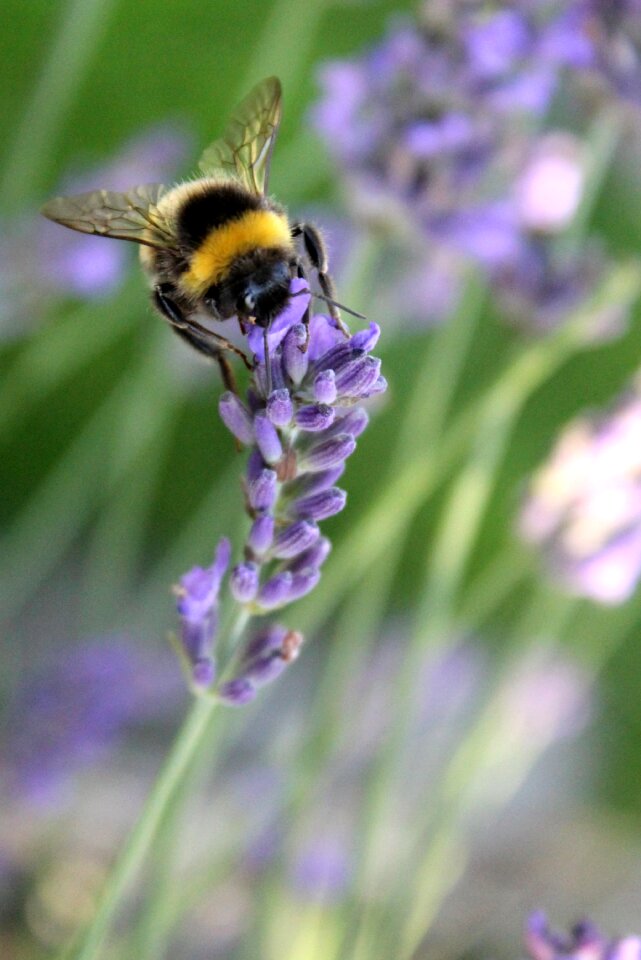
(39,262)
(584,504)
(300,422)
(70,714)
(438,129)
(584,942)
(425,116)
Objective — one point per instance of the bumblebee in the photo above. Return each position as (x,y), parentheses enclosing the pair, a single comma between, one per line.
(217,245)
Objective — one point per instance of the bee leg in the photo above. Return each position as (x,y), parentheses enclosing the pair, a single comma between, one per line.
(167,307)
(208,342)
(317,255)
(298,270)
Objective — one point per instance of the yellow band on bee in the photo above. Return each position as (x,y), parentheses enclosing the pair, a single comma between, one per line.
(211,262)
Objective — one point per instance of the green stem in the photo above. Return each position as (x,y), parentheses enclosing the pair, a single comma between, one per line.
(192,733)
(164,804)
(159,913)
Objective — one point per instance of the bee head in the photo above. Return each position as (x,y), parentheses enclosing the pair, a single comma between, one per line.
(261,289)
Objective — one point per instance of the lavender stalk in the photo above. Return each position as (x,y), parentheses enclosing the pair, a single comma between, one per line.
(299,434)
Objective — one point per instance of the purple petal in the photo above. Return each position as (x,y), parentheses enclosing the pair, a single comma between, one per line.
(295,357)
(327,454)
(313,558)
(236,417)
(197,606)
(261,492)
(337,356)
(261,535)
(268,653)
(267,438)
(302,584)
(294,539)
(366,339)
(314,418)
(355,379)
(353,422)
(320,506)
(275,591)
(280,408)
(280,325)
(379,386)
(323,335)
(309,483)
(204,673)
(325,386)
(198,588)
(236,693)
(243,582)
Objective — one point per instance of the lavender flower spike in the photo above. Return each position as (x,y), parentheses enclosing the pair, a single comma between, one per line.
(300,434)
(583,941)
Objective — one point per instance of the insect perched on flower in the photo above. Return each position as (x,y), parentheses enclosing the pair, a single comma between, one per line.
(217,245)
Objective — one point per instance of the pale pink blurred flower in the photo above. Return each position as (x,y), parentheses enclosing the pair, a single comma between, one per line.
(584,504)
(549,189)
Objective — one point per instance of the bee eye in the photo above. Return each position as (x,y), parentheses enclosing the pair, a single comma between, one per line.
(250,301)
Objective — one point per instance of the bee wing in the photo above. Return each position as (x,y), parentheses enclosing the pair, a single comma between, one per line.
(126,216)
(245,151)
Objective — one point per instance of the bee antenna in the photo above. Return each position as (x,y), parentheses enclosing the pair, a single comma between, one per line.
(323,296)
(341,306)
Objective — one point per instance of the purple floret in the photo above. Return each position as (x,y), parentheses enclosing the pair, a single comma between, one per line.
(197,607)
